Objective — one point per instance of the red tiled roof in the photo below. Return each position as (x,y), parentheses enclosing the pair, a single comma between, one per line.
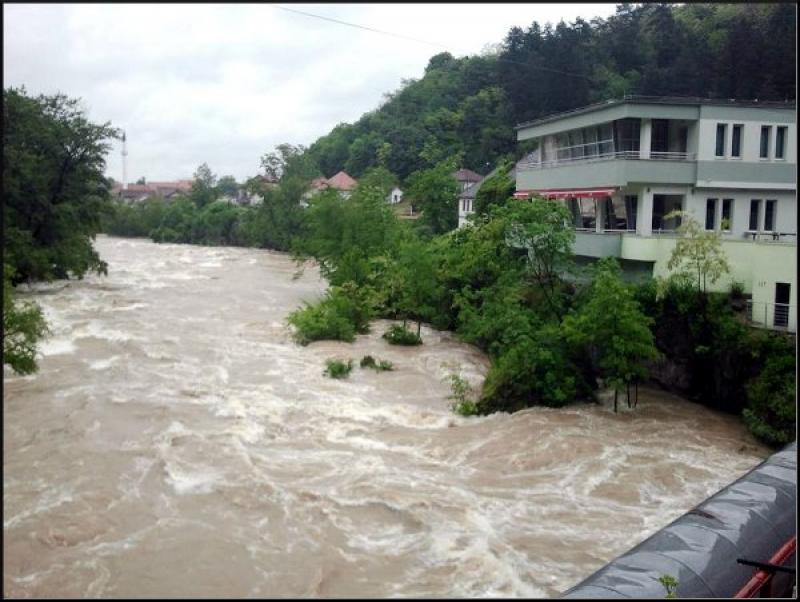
(467,175)
(318,183)
(342,181)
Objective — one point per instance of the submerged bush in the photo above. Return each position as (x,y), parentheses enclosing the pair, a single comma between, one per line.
(339,316)
(771,410)
(380,366)
(337,368)
(462,394)
(398,335)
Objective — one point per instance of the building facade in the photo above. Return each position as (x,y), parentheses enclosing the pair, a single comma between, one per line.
(622,166)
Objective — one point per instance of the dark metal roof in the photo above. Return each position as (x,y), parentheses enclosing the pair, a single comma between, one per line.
(750,518)
(660,100)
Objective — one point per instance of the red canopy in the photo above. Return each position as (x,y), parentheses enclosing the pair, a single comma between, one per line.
(595,193)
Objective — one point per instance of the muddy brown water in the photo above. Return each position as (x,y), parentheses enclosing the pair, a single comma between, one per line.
(175,442)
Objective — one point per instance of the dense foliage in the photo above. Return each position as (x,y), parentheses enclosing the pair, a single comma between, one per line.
(469,106)
(23,328)
(54,191)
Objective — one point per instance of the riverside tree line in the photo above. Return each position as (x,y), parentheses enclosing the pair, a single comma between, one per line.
(507,283)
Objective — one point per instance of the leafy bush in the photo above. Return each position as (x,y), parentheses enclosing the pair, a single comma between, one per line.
(535,371)
(23,327)
(462,396)
(398,335)
(380,366)
(340,315)
(771,410)
(338,368)
(737,291)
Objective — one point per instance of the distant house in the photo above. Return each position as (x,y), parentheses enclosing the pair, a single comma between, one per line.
(341,182)
(135,193)
(395,196)
(466,178)
(466,200)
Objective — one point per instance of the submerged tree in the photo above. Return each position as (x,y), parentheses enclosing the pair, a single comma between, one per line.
(613,329)
(23,327)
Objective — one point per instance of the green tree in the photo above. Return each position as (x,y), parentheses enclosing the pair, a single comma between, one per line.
(436,191)
(698,252)
(496,189)
(203,190)
(227,186)
(54,190)
(23,327)
(543,229)
(614,329)
(418,291)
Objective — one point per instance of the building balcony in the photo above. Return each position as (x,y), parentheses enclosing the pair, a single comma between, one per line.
(619,168)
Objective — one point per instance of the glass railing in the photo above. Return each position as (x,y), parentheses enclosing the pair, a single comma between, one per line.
(631,154)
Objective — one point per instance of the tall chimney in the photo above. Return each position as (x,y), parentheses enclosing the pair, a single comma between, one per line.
(124,163)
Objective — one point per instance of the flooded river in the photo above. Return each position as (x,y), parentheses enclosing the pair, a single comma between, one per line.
(175,442)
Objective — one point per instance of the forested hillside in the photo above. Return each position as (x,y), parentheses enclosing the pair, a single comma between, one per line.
(470,105)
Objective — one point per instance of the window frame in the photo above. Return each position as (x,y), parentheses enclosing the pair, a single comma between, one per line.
(737,128)
(720,143)
(757,204)
(784,130)
(774,204)
(764,143)
(712,205)
(730,203)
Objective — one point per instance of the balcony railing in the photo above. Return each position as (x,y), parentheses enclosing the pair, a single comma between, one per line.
(628,155)
(775,316)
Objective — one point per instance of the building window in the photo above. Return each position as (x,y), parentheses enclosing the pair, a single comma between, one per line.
(727,215)
(736,140)
(755,205)
(765,141)
(631,206)
(711,213)
(721,130)
(769,216)
(780,142)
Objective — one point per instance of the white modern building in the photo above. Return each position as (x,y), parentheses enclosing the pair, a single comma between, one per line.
(623,165)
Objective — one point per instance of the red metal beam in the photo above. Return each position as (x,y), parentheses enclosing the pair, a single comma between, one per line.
(762,577)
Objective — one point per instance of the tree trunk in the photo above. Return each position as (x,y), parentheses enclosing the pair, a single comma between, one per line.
(616,391)
(628,394)
(635,394)
(419,328)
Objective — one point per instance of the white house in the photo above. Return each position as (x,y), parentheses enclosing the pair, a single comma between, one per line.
(395,196)
(621,166)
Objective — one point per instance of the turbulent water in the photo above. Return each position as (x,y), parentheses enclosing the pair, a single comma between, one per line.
(176,442)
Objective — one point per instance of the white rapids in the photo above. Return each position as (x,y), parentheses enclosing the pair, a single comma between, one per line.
(176,443)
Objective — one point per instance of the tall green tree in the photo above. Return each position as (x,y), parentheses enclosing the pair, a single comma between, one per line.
(204,187)
(698,253)
(227,185)
(436,192)
(613,328)
(54,190)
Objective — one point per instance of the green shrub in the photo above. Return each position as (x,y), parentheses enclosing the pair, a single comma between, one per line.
(737,291)
(462,394)
(339,316)
(398,335)
(771,409)
(380,366)
(338,368)
(535,371)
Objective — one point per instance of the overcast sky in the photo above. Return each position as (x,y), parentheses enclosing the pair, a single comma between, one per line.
(223,84)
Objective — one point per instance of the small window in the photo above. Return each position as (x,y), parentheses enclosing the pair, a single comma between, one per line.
(780,142)
(727,215)
(769,216)
(765,141)
(755,204)
(711,213)
(736,140)
(721,128)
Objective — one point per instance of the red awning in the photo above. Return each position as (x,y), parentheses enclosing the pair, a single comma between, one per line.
(594,193)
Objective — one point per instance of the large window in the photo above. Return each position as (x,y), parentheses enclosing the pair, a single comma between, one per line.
(721,130)
(583,143)
(769,215)
(736,140)
(626,135)
(765,129)
(659,142)
(755,205)
(711,213)
(780,142)
(727,215)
